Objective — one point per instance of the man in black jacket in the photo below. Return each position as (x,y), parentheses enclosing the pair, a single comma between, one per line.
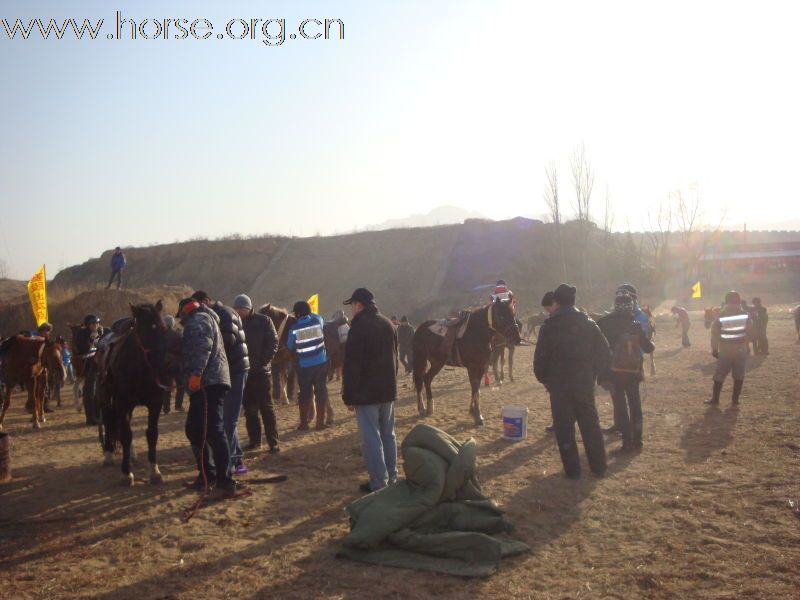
(233,336)
(369,386)
(570,352)
(628,341)
(262,341)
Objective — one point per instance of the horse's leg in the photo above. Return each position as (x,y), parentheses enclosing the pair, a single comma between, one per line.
(5,400)
(498,377)
(511,351)
(126,440)
(475,376)
(153,414)
(419,373)
(436,365)
(38,398)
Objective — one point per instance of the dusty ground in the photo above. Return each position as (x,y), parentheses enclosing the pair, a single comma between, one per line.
(702,513)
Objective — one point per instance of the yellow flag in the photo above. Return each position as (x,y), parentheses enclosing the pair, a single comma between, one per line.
(37,292)
(313,302)
(697,292)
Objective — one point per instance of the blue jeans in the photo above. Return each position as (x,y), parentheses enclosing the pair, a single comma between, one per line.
(376,424)
(232,410)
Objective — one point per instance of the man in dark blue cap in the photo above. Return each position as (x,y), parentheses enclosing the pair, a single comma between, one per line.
(369,386)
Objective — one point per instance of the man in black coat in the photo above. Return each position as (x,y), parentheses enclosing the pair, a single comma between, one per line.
(262,342)
(369,386)
(628,341)
(570,353)
(234,339)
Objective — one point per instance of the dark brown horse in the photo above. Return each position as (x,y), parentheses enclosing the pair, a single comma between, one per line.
(28,363)
(283,364)
(474,348)
(133,372)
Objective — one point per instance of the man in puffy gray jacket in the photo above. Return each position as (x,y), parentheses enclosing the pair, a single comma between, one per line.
(204,365)
(235,342)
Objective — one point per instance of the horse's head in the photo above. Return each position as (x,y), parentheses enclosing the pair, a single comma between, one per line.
(51,358)
(150,333)
(503,320)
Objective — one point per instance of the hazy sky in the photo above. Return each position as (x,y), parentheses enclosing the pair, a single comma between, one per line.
(457,102)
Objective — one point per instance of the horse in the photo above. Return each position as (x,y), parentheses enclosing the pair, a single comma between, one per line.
(474,348)
(283,363)
(78,368)
(535,321)
(499,346)
(28,362)
(710,314)
(133,372)
(334,346)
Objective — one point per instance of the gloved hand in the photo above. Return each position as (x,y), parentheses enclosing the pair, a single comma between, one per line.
(194,383)
(715,354)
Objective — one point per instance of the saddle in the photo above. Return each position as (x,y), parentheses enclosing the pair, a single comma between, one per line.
(450,330)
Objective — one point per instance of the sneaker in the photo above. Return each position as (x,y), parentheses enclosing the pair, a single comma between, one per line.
(274,450)
(302,427)
(252,446)
(229,487)
(364,487)
(240,469)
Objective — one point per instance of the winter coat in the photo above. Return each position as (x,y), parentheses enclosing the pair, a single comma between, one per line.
(262,341)
(202,349)
(233,336)
(369,373)
(571,351)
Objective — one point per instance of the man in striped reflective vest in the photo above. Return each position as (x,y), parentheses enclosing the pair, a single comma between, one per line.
(730,333)
(306,339)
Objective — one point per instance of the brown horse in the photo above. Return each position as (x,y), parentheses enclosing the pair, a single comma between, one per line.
(334,347)
(78,367)
(27,362)
(474,348)
(501,345)
(283,364)
(133,372)
(535,321)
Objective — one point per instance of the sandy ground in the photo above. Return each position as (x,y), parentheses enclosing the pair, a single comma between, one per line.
(703,512)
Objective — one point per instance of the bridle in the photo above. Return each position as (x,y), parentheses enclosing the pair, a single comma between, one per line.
(146,353)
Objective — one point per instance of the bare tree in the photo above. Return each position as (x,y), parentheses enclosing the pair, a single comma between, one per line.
(553,202)
(659,228)
(687,215)
(583,182)
(608,215)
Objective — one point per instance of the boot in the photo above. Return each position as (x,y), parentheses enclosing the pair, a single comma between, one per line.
(715,394)
(738,384)
(303,417)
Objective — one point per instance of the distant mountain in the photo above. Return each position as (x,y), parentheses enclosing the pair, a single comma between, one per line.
(442,215)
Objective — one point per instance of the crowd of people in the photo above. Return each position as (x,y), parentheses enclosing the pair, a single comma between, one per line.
(222,356)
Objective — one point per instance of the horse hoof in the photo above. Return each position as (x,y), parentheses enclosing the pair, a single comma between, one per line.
(479,422)
(127,480)
(156,479)
(429,411)
(37,426)
(108,459)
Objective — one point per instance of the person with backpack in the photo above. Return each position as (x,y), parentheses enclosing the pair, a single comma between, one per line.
(628,341)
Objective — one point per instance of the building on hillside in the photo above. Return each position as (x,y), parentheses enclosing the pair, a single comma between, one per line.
(757,267)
